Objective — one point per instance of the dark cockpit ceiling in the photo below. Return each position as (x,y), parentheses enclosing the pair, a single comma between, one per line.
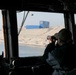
(42,5)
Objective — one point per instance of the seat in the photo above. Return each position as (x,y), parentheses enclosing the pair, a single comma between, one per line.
(72,72)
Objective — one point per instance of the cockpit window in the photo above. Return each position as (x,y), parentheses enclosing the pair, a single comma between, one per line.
(1,35)
(75,18)
(33,29)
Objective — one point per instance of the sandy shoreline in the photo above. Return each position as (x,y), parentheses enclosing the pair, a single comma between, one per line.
(34,37)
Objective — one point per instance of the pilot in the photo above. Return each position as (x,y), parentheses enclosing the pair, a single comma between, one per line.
(62,57)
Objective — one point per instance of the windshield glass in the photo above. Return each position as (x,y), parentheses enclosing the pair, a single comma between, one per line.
(1,35)
(33,29)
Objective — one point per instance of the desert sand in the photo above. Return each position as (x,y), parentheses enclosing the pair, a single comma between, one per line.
(34,37)
(37,37)
(1,36)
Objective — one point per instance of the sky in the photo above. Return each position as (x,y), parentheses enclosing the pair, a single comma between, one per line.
(0,20)
(34,18)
